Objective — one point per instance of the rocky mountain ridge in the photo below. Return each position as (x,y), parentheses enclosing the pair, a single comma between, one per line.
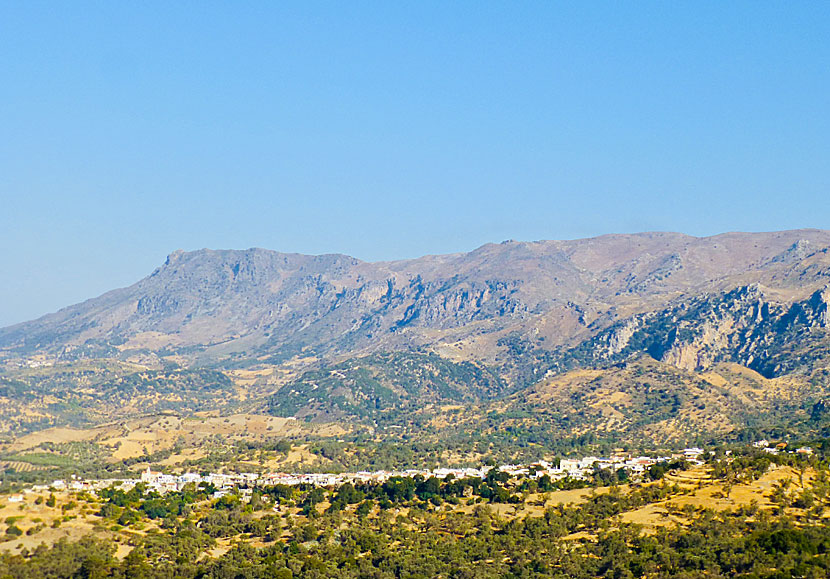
(212,305)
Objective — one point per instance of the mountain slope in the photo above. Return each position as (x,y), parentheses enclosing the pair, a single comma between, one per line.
(742,326)
(384,388)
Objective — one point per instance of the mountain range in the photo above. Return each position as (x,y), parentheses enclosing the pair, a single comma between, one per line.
(331,337)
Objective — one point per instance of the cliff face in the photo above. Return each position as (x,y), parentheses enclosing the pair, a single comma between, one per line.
(742,326)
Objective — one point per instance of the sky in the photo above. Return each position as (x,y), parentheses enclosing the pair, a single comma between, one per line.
(389,130)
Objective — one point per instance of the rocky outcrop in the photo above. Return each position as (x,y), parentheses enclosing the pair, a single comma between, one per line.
(742,326)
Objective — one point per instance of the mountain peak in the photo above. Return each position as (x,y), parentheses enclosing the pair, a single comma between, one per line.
(174,256)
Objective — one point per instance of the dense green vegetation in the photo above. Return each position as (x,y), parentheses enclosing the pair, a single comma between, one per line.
(385,388)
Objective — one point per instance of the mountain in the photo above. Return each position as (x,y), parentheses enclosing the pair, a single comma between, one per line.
(213,305)
(332,337)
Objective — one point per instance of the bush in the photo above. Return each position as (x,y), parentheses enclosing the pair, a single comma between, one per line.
(14,531)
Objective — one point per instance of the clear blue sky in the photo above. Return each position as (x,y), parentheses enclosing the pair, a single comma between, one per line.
(390,129)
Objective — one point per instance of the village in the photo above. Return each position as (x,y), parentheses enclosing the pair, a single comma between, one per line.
(578,469)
